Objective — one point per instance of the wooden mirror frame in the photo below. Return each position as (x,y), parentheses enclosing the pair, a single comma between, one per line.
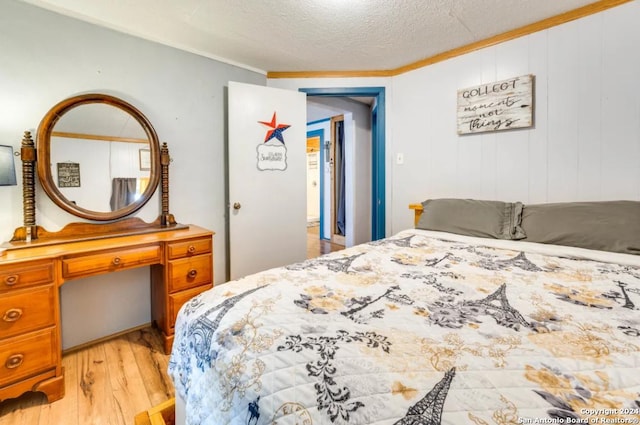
(43,141)
(159,173)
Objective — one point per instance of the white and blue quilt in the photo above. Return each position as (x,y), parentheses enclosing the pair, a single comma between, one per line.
(416,329)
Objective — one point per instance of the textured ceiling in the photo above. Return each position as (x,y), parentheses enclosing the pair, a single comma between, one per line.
(313,35)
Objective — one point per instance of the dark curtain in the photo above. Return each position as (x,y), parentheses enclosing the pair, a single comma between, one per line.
(340,168)
(123,192)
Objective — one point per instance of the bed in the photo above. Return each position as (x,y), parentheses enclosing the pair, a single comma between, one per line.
(423,327)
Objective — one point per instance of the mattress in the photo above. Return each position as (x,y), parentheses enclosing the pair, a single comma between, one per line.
(418,328)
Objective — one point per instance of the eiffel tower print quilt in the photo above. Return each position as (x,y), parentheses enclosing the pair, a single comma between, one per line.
(418,328)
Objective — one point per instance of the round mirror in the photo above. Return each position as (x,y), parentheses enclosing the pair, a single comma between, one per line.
(98,157)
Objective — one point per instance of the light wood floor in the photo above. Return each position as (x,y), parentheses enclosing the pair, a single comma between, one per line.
(317,247)
(107,383)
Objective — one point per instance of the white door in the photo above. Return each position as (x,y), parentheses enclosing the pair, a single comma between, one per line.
(313,187)
(267,178)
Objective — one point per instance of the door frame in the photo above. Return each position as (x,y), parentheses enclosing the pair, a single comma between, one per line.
(334,236)
(320,133)
(378,189)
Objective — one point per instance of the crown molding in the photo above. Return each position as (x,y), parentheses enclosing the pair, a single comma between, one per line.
(572,15)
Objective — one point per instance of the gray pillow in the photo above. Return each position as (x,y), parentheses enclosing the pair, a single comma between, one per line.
(471,217)
(606,226)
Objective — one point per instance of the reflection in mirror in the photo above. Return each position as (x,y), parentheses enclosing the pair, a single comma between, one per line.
(98,157)
(76,143)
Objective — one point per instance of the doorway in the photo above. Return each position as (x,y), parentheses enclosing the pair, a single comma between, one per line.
(316,245)
(378,204)
(337,181)
(313,179)
(346,201)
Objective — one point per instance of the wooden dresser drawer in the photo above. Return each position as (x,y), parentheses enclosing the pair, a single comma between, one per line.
(23,311)
(189,272)
(25,275)
(110,261)
(189,248)
(179,298)
(27,355)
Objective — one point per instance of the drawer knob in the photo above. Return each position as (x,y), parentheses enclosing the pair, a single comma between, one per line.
(11,280)
(14,361)
(192,273)
(116,261)
(191,249)
(12,315)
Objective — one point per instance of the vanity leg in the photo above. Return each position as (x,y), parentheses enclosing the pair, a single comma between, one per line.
(167,342)
(53,388)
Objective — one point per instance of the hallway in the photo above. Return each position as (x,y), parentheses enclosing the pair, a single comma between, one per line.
(317,247)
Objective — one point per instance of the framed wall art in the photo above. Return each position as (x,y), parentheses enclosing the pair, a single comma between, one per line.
(68,174)
(497,106)
(145,159)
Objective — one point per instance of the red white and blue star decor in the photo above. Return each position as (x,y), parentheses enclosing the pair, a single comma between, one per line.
(276,129)
(272,156)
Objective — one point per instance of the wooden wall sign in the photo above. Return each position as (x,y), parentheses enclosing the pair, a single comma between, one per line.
(502,105)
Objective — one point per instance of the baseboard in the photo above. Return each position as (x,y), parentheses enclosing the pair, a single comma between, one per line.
(103,339)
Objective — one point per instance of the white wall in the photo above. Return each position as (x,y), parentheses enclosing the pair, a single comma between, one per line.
(313,186)
(100,162)
(45,58)
(92,156)
(586,141)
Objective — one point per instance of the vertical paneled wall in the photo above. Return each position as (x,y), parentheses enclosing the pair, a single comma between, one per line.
(585,144)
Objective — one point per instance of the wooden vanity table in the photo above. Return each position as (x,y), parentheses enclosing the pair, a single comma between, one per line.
(181,263)
(36,263)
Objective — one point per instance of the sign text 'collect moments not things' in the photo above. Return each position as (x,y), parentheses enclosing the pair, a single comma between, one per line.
(502,105)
